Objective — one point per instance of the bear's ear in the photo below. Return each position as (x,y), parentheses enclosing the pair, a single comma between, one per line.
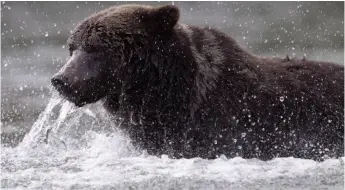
(165,17)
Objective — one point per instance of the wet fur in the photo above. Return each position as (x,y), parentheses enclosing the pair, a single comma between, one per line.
(187,91)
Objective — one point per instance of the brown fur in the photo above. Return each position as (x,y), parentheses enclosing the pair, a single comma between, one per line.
(187,91)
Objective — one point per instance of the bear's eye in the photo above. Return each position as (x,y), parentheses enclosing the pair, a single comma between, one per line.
(91,49)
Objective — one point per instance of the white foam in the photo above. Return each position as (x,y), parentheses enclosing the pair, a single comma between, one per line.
(86,151)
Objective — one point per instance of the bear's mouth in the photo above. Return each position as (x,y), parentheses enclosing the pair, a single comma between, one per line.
(70,94)
(75,98)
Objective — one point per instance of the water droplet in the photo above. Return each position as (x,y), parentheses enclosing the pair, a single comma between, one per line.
(281,98)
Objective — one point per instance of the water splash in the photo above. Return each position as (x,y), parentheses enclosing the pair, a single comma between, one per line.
(81,148)
(41,126)
(64,127)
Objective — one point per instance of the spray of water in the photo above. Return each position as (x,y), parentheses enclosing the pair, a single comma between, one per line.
(81,148)
(64,127)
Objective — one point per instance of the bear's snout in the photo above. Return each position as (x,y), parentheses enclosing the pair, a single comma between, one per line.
(60,83)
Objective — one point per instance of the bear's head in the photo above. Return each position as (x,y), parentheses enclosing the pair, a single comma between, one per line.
(109,44)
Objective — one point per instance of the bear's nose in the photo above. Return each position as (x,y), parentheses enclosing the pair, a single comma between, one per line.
(59,82)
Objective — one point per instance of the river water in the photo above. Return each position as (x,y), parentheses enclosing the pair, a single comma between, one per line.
(84,149)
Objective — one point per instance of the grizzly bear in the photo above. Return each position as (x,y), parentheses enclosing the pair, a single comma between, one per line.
(187,91)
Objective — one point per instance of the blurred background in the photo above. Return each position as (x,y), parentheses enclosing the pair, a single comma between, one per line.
(34,34)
